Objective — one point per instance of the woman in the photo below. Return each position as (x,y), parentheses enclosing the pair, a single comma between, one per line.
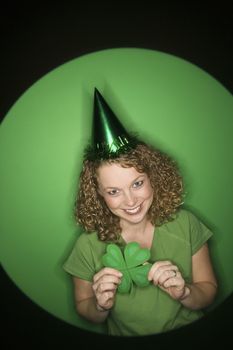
(130,192)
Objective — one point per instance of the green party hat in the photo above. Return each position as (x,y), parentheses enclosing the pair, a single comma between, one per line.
(109,137)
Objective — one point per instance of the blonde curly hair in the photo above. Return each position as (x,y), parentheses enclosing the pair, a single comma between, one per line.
(91,211)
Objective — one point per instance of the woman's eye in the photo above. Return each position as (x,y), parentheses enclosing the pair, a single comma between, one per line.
(138,184)
(113,192)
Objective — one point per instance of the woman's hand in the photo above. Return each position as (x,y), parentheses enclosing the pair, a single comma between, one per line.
(105,283)
(167,276)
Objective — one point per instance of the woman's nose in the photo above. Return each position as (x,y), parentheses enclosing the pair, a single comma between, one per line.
(130,199)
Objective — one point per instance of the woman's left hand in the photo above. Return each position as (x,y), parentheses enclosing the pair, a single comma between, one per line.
(167,276)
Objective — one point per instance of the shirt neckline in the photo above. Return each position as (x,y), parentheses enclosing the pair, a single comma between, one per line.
(123,243)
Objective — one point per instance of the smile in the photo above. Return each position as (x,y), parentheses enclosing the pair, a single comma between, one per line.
(134,210)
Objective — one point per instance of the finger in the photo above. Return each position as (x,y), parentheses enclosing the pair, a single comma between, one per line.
(109,279)
(165,275)
(106,280)
(104,287)
(106,271)
(156,266)
(106,299)
(164,272)
(176,281)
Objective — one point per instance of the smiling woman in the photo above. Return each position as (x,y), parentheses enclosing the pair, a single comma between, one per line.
(131,194)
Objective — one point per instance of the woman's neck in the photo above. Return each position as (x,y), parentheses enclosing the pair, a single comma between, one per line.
(142,233)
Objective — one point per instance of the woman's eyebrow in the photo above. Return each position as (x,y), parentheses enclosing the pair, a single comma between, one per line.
(111,188)
(117,188)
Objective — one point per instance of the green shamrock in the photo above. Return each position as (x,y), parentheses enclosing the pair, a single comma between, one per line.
(131,264)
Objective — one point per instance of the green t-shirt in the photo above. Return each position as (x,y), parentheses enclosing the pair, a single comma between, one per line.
(147,310)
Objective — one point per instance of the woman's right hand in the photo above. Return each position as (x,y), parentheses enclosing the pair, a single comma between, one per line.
(105,283)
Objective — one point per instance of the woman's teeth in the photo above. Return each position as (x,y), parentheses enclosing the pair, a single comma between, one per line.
(134,210)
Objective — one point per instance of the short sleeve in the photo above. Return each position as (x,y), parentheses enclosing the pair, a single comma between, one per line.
(199,233)
(80,262)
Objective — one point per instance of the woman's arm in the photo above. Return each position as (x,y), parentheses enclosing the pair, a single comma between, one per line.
(204,287)
(86,302)
(94,300)
(197,295)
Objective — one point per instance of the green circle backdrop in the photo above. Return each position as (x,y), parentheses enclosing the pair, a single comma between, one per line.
(172,103)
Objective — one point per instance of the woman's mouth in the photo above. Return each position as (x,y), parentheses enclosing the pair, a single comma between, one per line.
(133,211)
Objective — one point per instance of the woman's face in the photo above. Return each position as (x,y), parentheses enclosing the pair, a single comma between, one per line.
(127,193)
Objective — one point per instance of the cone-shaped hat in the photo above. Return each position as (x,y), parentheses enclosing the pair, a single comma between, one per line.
(109,137)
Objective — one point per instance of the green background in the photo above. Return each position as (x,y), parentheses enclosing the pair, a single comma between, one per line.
(170,102)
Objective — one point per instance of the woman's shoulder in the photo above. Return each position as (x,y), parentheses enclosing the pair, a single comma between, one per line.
(85,238)
(90,239)
(188,218)
(179,226)
(186,223)
(181,217)
(185,216)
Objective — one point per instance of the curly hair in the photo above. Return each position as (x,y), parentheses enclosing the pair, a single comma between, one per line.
(93,214)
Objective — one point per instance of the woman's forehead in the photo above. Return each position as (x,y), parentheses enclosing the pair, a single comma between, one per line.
(114,175)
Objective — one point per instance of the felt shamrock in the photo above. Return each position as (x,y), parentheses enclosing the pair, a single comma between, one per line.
(131,264)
